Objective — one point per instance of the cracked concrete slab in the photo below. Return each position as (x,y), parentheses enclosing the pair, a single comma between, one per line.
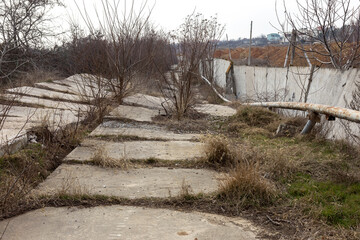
(44,93)
(147,131)
(56,86)
(22,119)
(51,104)
(123,222)
(131,183)
(137,150)
(215,110)
(144,100)
(139,114)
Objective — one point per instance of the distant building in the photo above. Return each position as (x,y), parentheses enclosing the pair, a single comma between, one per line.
(273,37)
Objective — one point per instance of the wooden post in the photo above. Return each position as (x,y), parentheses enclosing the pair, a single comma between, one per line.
(249,59)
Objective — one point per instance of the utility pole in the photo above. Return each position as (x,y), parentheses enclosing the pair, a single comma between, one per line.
(249,59)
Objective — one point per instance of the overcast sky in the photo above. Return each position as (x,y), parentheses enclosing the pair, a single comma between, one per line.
(236,15)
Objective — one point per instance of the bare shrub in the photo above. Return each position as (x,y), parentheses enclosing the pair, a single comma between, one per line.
(351,132)
(194,44)
(94,91)
(127,43)
(331,28)
(24,27)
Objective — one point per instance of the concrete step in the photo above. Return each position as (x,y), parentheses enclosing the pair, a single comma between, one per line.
(142,130)
(131,183)
(121,222)
(139,114)
(137,150)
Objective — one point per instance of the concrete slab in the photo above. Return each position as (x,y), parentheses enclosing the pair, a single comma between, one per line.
(13,144)
(122,222)
(142,130)
(132,183)
(52,104)
(138,150)
(139,114)
(84,84)
(56,86)
(22,119)
(144,100)
(44,93)
(215,110)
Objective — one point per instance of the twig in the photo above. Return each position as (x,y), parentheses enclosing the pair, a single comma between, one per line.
(272,221)
(2,235)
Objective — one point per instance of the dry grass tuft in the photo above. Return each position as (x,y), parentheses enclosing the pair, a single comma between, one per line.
(246,187)
(255,116)
(72,186)
(101,158)
(185,190)
(218,152)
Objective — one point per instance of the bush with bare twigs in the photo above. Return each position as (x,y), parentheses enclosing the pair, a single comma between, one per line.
(194,44)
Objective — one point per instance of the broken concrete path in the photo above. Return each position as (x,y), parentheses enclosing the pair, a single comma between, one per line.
(131,183)
(44,93)
(144,100)
(137,150)
(152,102)
(139,114)
(47,103)
(215,110)
(141,130)
(121,222)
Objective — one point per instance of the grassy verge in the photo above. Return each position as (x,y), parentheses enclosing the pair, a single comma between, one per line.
(319,180)
(23,171)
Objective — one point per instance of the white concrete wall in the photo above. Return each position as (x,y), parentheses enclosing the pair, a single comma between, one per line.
(220,67)
(329,87)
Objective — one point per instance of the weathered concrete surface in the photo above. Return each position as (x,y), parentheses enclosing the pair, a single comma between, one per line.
(85,84)
(144,100)
(131,183)
(56,86)
(22,119)
(12,142)
(147,131)
(138,150)
(215,110)
(52,104)
(139,114)
(121,222)
(43,93)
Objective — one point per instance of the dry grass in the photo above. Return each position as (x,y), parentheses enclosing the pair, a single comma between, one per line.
(255,116)
(101,158)
(22,171)
(71,186)
(185,191)
(218,152)
(246,187)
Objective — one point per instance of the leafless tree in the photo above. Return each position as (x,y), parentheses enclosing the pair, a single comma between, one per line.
(331,27)
(23,26)
(194,42)
(125,34)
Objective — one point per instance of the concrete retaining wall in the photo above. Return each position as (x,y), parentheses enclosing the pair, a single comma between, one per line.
(328,86)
